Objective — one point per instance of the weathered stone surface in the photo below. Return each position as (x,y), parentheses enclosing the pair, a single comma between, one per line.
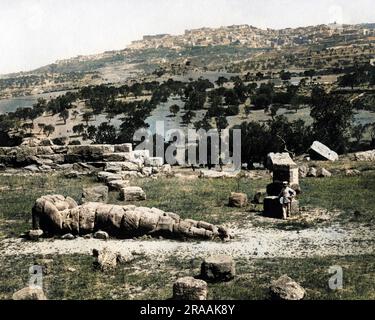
(323,173)
(59,215)
(188,288)
(68,236)
(313,172)
(238,200)
(118,184)
(279,159)
(147,171)
(126,147)
(273,208)
(105,259)
(319,151)
(286,288)
(47,212)
(133,194)
(218,268)
(352,172)
(117,167)
(212,174)
(32,168)
(154,161)
(101,235)
(30,293)
(35,234)
(95,194)
(303,171)
(365,156)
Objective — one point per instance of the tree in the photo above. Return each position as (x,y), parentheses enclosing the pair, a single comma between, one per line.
(64,115)
(48,130)
(87,117)
(75,114)
(28,126)
(174,109)
(91,132)
(79,129)
(358,131)
(106,133)
(285,75)
(41,126)
(333,119)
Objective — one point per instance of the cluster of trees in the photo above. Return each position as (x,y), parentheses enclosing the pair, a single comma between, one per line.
(332,125)
(358,76)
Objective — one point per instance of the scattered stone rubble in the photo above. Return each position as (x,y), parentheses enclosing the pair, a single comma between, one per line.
(59,215)
(36,156)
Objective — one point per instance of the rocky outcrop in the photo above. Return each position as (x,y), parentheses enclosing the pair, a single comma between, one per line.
(57,215)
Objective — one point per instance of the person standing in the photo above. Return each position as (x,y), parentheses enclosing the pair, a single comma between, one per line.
(286,197)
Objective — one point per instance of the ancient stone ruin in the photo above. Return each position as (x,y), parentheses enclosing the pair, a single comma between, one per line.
(283,169)
(59,215)
(119,159)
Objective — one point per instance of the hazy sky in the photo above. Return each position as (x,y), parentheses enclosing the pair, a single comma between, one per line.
(37,32)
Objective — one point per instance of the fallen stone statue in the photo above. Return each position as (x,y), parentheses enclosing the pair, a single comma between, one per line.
(56,215)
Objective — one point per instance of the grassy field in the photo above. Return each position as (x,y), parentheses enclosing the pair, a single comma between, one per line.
(73,277)
(197,199)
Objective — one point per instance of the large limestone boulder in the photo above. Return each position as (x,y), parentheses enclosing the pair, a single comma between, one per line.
(365,156)
(286,288)
(218,268)
(95,194)
(30,293)
(188,288)
(238,200)
(133,194)
(319,151)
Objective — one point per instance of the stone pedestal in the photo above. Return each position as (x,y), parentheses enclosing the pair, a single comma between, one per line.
(273,208)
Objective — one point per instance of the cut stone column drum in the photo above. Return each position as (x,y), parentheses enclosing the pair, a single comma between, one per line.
(188,288)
